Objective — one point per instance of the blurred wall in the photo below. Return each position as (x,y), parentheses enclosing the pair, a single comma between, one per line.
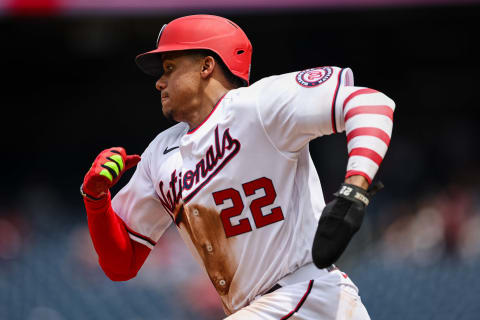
(68,80)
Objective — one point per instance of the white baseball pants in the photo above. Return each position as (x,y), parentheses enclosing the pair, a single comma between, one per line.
(326,296)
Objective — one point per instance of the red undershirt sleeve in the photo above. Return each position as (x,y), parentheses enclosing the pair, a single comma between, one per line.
(119,256)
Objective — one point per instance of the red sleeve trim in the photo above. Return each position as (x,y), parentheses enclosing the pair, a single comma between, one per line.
(381,110)
(367,153)
(139,235)
(334,101)
(356,93)
(358,173)
(369,131)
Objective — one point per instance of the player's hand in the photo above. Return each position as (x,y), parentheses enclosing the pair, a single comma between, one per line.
(106,170)
(341,219)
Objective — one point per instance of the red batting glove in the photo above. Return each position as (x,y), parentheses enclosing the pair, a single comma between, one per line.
(106,170)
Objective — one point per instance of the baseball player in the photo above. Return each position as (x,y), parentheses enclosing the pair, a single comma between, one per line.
(236,178)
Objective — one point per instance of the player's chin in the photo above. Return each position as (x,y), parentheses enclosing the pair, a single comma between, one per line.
(168,113)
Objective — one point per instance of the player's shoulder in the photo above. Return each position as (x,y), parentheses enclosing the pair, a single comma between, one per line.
(307,78)
(318,77)
(167,138)
(247,96)
(285,86)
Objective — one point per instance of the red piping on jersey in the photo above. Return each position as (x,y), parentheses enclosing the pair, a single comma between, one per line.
(300,303)
(356,93)
(211,112)
(369,131)
(367,153)
(381,110)
(139,235)
(334,101)
(356,172)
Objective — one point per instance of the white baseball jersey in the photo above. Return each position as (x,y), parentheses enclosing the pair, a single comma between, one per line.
(242,188)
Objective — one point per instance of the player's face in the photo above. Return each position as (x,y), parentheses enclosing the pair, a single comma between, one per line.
(180,85)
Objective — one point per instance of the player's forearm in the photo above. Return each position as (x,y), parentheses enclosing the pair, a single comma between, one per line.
(119,256)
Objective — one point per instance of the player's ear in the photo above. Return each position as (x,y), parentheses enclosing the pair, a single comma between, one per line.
(207,67)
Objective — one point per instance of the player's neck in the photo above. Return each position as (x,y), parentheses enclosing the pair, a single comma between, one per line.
(211,97)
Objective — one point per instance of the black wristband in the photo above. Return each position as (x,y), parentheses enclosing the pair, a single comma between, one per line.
(353,193)
(89,196)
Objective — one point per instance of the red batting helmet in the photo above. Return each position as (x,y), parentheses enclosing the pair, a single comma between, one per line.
(217,34)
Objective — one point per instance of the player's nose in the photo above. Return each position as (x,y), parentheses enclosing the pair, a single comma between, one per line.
(161,84)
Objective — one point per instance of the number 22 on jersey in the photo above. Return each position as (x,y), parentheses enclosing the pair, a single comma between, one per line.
(249,189)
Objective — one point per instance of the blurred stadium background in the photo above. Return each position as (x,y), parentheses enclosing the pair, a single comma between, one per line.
(70,88)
